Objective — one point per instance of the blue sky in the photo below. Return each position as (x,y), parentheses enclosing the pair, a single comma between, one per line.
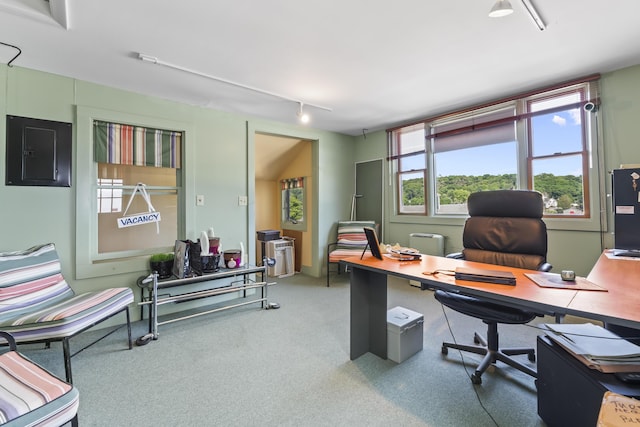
(552,133)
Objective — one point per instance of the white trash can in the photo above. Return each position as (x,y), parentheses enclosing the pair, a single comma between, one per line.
(404,333)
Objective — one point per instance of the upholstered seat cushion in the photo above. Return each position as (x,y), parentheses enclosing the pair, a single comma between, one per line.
(485,310)
(36,303)
(31,396)
(66,318)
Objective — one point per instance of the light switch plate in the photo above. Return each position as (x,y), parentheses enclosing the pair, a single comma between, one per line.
(200,200)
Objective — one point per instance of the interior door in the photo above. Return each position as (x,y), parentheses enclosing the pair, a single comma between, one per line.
(369,186)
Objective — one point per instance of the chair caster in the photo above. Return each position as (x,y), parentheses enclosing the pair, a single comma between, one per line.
(144,340)
(532,357)
(476,378)
(445,350)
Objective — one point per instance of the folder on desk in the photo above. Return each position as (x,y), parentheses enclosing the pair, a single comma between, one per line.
(487,276)
(596,347)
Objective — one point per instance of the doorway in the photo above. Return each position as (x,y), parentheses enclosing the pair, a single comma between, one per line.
(278,158)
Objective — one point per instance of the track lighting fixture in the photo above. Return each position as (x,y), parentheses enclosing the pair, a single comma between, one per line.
(501,8)
(304,117)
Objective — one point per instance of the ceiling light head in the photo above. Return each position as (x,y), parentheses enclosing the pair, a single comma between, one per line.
(302,116)
(501,8)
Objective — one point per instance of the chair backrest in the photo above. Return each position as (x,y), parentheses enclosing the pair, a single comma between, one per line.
(351,234)
(505,227)
(31,279)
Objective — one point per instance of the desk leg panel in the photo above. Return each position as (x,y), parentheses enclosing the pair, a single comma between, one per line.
(368,313)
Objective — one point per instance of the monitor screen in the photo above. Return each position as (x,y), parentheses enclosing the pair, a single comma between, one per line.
(372,240)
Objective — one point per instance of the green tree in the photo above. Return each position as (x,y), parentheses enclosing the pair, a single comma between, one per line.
(565,201)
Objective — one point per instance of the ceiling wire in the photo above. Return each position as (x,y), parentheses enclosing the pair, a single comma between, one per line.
(17,54)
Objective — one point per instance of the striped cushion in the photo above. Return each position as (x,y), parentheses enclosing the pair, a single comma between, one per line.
(351,239)
(351,234)
(36,303)
(30,396)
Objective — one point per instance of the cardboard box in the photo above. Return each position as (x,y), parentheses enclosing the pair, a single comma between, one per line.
(404,333)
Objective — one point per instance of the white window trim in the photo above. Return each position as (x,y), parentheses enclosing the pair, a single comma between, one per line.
(88,262)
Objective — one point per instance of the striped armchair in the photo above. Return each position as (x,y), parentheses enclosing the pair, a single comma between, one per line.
(38,305)
(351,242)
(30,395)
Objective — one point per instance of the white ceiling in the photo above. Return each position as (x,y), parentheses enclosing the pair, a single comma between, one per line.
(374,63)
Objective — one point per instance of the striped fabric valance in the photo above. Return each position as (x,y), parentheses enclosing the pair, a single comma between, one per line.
(286,184)
(135,145)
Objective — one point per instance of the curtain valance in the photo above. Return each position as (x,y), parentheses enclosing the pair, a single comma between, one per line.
(136,145)
(286,184)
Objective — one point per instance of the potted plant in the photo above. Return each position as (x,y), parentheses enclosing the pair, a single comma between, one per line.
(162,263)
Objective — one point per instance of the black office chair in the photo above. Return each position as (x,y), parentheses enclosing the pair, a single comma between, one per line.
(505,228)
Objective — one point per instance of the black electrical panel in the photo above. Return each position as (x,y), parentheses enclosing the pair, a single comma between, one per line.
(38,152)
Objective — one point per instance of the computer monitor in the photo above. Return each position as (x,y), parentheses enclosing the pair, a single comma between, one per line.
(372,243)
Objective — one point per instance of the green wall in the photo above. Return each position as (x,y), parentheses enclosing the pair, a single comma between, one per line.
(218,163)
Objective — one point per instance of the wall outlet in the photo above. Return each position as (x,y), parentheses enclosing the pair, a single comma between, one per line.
(242,200)
(200,200)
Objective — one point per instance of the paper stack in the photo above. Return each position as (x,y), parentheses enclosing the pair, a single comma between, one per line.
(596,347)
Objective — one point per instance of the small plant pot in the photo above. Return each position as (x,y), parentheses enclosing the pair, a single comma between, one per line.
(164,268)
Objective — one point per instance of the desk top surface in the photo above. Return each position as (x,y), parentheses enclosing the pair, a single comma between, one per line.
(619,276)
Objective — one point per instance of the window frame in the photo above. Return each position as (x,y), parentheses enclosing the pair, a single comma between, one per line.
(89,263)
(287,223)
(592,137)
(584,152)
(400,169)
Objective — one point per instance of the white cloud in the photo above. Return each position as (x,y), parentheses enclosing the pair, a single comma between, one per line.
(559,120)
(575,116)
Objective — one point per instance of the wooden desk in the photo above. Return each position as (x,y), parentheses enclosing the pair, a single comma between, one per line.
(369,294)
(620,305)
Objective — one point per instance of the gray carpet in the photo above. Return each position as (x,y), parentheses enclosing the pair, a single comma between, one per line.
(291,367)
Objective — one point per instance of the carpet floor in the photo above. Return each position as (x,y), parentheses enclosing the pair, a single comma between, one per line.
(290,367)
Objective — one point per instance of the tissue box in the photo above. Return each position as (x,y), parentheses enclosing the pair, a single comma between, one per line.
(404,333)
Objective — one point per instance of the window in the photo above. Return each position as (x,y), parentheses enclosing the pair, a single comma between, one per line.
(292,203)
(558,153)
(107,183)
(115,185)
(470,156)
(540,141)
(127,155)
(412,161)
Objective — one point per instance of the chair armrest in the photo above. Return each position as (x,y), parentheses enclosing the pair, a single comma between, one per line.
(10,340)
(331,245)
(455,255)
(545,267)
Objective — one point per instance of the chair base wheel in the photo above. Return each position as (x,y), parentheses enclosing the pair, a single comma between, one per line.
(476,378)
(532,357)
(445,350)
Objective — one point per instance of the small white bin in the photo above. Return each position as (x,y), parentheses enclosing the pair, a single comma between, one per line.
(404,333)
